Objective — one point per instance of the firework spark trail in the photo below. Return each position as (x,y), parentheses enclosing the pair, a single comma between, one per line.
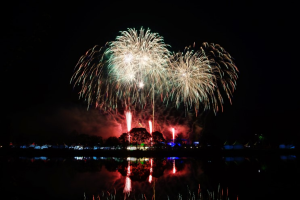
(150,127)
(173,133)
(128,120)
(224,69)
(88,72)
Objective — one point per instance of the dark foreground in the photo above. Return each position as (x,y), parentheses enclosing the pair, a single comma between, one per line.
(204,176)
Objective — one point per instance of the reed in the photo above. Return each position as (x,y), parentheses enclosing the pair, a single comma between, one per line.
(200,194)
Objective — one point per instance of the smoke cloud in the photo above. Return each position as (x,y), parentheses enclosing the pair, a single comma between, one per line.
(58,120)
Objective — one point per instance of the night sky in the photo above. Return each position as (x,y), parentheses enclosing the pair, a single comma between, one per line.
(42,41)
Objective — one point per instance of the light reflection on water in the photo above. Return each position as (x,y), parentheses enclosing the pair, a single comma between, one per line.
(69,178)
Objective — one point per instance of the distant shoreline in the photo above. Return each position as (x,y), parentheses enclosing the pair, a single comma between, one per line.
(149,153)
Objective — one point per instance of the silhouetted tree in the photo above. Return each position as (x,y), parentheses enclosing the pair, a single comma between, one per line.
(139,135)
(73,137)
(157,137)
(83,139)
(213,141)
(111,165)
(123,139)
(139,171)
(112,141)
(94,140)
(159,166)
(179,139)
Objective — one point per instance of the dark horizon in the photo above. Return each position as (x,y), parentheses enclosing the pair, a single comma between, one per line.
(42,42)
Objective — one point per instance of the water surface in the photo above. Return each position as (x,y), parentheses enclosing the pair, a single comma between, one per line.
(265,177)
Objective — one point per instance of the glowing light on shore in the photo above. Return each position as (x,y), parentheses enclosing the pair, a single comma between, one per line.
(174,168)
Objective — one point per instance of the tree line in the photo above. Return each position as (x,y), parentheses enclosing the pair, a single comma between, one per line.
(138,136)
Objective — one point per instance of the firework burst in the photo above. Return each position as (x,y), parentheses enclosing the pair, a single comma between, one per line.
(192,79)
(138,64)
(126,71)
(89,73)
(200,77)
(224,69)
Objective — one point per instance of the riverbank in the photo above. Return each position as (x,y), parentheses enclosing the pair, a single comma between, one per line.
(149,153)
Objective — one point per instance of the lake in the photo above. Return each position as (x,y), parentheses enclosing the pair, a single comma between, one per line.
(252,177)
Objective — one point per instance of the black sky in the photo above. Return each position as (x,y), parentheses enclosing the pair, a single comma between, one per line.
(42,41)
